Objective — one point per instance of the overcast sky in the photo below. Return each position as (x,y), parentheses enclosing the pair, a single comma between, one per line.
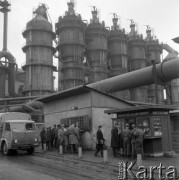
(160,15)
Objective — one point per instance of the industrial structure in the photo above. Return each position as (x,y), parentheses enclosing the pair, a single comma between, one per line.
(87,53)
(95,64)
(96,47)
(137,60)
(39,51)
(70,30)
(118,54)
(8,65)
(154,51)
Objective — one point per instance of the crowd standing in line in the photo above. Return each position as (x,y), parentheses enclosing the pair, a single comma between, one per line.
(124,142)
(61,135)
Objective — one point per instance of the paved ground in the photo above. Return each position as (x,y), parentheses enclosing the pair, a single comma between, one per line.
(147,161)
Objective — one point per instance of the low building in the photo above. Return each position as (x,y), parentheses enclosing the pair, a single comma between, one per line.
(85,106)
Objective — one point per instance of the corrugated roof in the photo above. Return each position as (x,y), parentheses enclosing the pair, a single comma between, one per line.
(72,92)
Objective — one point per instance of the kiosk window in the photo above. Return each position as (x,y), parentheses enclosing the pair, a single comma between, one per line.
(157,126)
(143,123)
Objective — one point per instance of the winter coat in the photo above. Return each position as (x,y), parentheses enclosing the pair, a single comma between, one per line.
(100,138)
(126,135)
(120,137)
(43,135)
(48,135)
(114,138)
(73,139)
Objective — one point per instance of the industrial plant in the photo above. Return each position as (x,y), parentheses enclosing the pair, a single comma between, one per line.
(122,68)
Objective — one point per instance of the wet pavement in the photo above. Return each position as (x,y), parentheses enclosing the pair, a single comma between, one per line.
(88,155)
(51,165)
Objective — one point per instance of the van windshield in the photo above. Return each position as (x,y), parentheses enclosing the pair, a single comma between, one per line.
(21,127)
(18,127)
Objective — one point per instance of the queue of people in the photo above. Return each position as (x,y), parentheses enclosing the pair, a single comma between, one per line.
(124,142)
(127,142)
(61,135)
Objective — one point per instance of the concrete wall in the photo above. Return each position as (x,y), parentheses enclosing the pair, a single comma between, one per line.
(63,108)
(92,104)
(100,118)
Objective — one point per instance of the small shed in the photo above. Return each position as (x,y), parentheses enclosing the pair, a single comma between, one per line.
(86,106)
(155,122)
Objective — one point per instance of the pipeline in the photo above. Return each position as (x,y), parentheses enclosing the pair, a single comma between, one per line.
(31,106)
(11,76)
(165,71)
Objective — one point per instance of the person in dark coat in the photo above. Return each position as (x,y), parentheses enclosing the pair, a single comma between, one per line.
(120,140)
(115,139)
(53,136)
(100,141)
(43,136)
(48,139)
(126,140)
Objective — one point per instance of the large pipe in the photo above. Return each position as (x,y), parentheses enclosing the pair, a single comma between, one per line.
(165,71)
(11,76)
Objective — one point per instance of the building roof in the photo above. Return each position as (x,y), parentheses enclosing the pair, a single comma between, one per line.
(74,91)
(143,108)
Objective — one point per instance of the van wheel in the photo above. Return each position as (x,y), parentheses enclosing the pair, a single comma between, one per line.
(30,151)
(4,149)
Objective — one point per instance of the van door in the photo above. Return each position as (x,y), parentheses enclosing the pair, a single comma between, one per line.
(7,135)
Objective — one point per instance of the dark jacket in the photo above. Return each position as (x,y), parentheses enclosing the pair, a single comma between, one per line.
(43,135)
(114,137)
(99,135)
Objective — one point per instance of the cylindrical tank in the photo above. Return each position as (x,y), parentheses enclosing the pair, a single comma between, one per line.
(39,52)
(97,48)
(140,77)
(154,51)
(118,55)
(70,30)
(2,80)
(137,60)
(172,92)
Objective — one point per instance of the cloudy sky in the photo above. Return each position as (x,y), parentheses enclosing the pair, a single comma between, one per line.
(160,15)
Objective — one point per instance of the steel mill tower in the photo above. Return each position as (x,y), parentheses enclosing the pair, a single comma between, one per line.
(97,47)
(70,30)
(8,65)
(137,60)
(39,54)
(118,54)
(154,50)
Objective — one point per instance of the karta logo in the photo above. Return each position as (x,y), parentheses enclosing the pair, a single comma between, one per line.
(126,170)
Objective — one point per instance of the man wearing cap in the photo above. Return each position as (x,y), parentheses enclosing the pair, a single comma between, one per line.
(100,141)
(126,140)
